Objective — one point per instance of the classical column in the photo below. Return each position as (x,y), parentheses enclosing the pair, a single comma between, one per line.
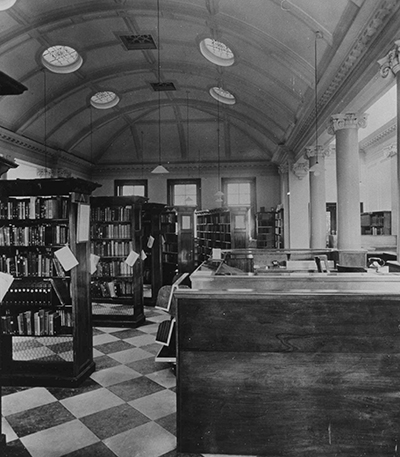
(390,65)
(345,128)
(284,191)
(316,157)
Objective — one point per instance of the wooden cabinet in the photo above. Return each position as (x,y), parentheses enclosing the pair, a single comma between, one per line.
(169,234)
(279,242)
(287,374)
(376,223)
(46,323)
(117,283)
(223,228)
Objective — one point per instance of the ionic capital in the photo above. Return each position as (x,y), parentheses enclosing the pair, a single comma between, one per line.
(347,121)
(391,62)
(283,168)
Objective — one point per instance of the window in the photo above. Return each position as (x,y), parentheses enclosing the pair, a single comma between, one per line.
(241,192)
(184,192)
(136,187)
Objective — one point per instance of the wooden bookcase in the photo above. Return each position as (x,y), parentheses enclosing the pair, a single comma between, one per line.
(223,228)
(265,229)
(169,236)
(117,283)
(152,264)
(376,223)
(279,240)
(45,340)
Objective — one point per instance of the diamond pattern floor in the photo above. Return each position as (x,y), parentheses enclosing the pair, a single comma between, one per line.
(127,408)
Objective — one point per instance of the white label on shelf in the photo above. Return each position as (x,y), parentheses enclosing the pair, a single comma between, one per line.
(66,258)
(94,260)
(150,242)
(216,253)
(131,259)
(143,255)
(5,283)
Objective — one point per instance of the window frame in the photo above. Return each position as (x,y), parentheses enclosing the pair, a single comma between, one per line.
(171,194)
(118,183)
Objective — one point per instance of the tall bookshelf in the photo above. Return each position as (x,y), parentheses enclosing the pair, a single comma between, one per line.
(376,223)
(152,246)
(279,240)
(46,325)
(223,228)
(117,282)
(265,229)
(169,239)
(186,244)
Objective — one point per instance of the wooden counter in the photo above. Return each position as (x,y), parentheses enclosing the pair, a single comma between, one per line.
(306,374)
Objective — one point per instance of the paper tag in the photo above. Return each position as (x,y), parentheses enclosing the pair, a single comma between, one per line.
(150,242)
(5,283)
(94,260)
(143,255)
(216,254)
(66,258)
(131,259)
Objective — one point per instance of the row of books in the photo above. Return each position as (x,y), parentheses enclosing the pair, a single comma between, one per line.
(111,231)
(31,264)
(115,214)
(43,293)
(34,208)
(39,323)
(111,248)
(34,235)
(111,289)
(113,268)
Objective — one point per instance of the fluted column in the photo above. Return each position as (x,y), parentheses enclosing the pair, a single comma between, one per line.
(345,128)
(316,156)
(390,65)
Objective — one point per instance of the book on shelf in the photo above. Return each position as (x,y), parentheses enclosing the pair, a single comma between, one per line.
(166,332)
(61,288)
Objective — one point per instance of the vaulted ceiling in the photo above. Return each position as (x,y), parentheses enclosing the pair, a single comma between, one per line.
(275,43)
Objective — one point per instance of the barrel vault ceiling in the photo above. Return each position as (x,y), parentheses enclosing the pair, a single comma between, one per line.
(275,45)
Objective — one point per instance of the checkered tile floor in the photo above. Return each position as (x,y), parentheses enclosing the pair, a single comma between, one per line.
(127,408)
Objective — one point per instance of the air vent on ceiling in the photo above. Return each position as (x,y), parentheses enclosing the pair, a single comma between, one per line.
(137,42)
(163,86)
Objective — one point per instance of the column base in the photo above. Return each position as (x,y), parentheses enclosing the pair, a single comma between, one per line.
(349,258)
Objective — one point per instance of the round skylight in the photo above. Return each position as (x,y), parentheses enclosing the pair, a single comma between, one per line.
(222,95)
(217,52)
(61,59)
(5,4)
(104,100)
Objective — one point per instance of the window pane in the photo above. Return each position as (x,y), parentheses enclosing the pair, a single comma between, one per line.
(185,194)
(132,190)
(239,194)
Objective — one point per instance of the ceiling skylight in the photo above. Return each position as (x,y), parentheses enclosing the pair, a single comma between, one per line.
(222,95)
(104,100)
(61,59)
(217,52)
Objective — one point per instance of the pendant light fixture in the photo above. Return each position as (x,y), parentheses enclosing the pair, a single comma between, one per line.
(219,194)
(159,169)
(6,4)
(316,168)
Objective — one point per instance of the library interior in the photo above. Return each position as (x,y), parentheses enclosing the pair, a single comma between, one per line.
(199,224)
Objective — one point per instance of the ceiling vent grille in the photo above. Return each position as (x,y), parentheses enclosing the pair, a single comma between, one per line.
(163,86)
(137,42)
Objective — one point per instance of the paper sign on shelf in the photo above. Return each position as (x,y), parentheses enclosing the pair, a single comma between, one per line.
(83,223)
(5,283)
(216,253)
(143,255)
(131,259)
(66,258)
(150,242)
(94,260)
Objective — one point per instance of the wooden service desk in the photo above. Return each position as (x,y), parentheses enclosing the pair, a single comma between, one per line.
(306,373)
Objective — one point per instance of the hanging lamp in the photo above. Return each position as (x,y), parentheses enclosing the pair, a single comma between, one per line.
(159,169)
(219,194)
(317,167)
(6,4)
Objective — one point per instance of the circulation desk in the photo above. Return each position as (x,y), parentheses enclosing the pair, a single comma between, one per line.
(295,373)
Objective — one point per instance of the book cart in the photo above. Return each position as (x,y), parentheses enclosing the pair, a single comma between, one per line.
(46,325)
(117,282)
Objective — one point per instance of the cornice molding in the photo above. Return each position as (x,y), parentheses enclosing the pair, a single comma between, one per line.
(381,135)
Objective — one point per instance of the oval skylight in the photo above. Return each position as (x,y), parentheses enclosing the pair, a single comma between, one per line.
(222,95)
(61,59)
(217,52)
(5,4)
(104,100)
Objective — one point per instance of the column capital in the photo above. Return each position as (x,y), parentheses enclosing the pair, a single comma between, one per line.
(316,151)
(283,168)
(390,151)
(300,169)
(347,121)
(391,62)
